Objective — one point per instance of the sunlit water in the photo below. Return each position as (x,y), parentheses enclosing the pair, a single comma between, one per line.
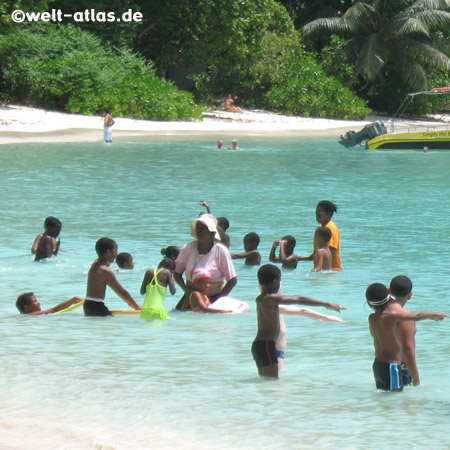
(121,383)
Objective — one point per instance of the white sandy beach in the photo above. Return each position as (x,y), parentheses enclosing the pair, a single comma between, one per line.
(20,124)
(24,124)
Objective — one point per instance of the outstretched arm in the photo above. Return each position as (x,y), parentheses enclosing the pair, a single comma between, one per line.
(61,306)
(277,299)
(294,310)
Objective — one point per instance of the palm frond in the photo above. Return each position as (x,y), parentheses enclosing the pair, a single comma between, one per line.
(441,43)
(371,58)
(412,26)
(425,54)
(361,17)
(325,25)
(435,20)
(424,5)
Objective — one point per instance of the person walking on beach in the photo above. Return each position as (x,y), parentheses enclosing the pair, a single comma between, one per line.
(108,122)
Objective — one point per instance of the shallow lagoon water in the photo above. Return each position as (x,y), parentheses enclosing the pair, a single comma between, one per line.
(73,382)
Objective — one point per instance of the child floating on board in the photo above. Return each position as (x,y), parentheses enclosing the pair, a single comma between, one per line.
(198,300)
(28,304)
(154,286)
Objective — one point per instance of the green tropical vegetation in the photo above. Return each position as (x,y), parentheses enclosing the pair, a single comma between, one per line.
(393,41)
(322,58)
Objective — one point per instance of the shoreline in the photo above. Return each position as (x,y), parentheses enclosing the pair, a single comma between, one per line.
(21,124)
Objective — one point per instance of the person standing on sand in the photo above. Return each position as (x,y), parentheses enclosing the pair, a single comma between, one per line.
(108,122)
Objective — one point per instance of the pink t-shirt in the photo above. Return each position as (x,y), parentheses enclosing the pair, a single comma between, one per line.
(217,262)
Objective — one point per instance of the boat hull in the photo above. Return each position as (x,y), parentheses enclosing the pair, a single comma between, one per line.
(434,140)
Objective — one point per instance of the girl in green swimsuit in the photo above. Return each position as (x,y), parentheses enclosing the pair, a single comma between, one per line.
(154,286)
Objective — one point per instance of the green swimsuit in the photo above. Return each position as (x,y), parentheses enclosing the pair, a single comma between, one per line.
(155,293)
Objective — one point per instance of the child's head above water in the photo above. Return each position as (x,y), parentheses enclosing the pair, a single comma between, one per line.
(52,226)
(27,303)
(251,241)
(377,295)
(290,244)
(124,261)
(269,278)
(223,223)
(322,235)
(104,244)
(401,286)
(171,252)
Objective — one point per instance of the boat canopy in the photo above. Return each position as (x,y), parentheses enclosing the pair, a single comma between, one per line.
(410,97)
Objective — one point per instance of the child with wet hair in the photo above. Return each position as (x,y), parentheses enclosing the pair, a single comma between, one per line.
(286,256)
(388,371)
(251,253)
(154,286)
(171,252)
(28,304)
(322,256)
(46,244)
(124,261)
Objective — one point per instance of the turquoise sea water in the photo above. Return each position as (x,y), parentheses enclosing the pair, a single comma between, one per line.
(72,382)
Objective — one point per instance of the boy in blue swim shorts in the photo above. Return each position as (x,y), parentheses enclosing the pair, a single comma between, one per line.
(389,373)
(263,347)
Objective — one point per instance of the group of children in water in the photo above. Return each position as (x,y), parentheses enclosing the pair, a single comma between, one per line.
(391,325)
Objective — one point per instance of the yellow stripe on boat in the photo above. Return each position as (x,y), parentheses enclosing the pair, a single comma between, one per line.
(434,140)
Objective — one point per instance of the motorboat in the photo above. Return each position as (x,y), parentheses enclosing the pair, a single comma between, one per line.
(402,136)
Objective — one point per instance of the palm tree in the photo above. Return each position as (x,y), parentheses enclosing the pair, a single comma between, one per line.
(392,34)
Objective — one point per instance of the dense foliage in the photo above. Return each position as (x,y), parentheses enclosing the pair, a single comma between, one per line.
(251,48)
(69,69)
(395,43)
(278,74)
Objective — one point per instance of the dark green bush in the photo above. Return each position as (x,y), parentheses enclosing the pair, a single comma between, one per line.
(304,89)
(68,69)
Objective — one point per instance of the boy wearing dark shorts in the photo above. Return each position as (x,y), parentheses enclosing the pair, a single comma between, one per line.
(100,276)
(263,347)
(388,371)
